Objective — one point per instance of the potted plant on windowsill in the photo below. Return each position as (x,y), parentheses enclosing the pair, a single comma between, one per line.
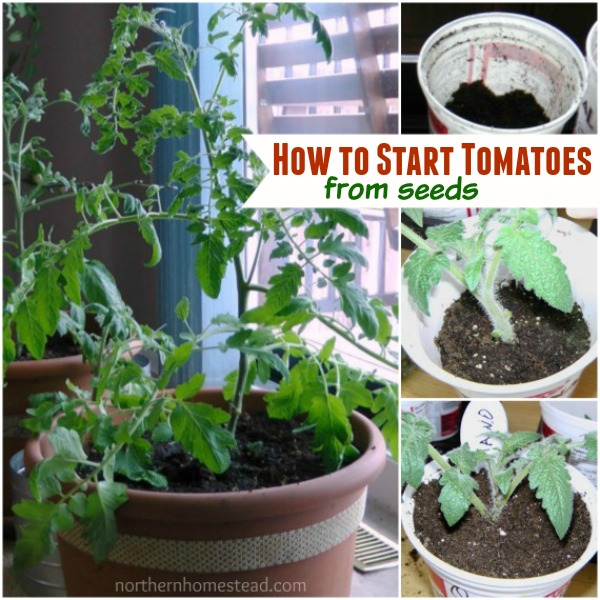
(469,497)
(48,281)
(476,260)
(97,515)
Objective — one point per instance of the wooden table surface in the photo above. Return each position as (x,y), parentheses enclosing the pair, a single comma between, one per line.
(522,415)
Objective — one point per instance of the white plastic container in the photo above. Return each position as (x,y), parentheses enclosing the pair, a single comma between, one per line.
(449,581)
(577,248)
(506,52)
(443,415)
(573,419)
(587,118)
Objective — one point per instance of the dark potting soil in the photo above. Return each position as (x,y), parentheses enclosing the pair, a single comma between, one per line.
(515,110)
(56,347)
(548,340)
(269,454)
(522,543)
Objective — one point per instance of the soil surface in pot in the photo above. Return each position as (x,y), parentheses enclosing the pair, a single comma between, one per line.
(515,110)
(56,347)
(269,454)
(548,340)
(522,543)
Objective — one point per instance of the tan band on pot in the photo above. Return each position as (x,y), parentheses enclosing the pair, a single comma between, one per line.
(224,556)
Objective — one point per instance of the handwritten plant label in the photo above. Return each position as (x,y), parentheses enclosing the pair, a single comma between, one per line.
(479,419)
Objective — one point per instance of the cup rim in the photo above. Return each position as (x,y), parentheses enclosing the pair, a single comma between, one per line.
(472,127)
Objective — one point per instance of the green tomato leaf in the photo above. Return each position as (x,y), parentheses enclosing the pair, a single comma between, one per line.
(455,498)
(355,304)
(423,271)
(190,388)
(384,326)
(151,237)
(133,463)
(504,479)
(294,396)
(347,251)
(168,64)
(9,350)
(550,480)
(29,328)
(182,310)
(282,250)
(327,349)
(466,459)
(48,475)
(355,394)
(99,286)
(532,259)
(473,271)
(332,432)
(210,265)
(48,299)
(317,231)
(415,436)
(198,427)
(414,214)
(346,218)
(178,357)
(67,444)
(72,266)
(283,289)
(512,442)
(385,411)
(99,523)
(36,539)
(443,235)
(322,37)
(590,444)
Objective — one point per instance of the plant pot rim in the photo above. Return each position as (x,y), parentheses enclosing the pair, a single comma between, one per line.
(513,18)
(45,367)
(416,352)
(578,482)
(54,367)
(239,505)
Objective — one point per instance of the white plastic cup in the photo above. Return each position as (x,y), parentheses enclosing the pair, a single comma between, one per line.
(449,581)
(506,52)
(444,416)
(587,118)
(577,248)
(573,419)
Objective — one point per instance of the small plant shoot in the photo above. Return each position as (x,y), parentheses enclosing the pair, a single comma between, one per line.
(522,456)
(511,238)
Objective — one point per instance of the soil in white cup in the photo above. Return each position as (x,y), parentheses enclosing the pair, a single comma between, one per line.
(522,543)
(548,340)
(516,109)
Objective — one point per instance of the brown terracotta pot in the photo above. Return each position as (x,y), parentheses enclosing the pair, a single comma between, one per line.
(257,543)
(24,378)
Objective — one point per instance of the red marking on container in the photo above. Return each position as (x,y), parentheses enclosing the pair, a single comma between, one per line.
(436,124)
(438,583)
(547,431)
(471,61)
(560,592)
(527,56)
(450,422)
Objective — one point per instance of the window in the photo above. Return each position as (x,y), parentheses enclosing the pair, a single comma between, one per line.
(290,89)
